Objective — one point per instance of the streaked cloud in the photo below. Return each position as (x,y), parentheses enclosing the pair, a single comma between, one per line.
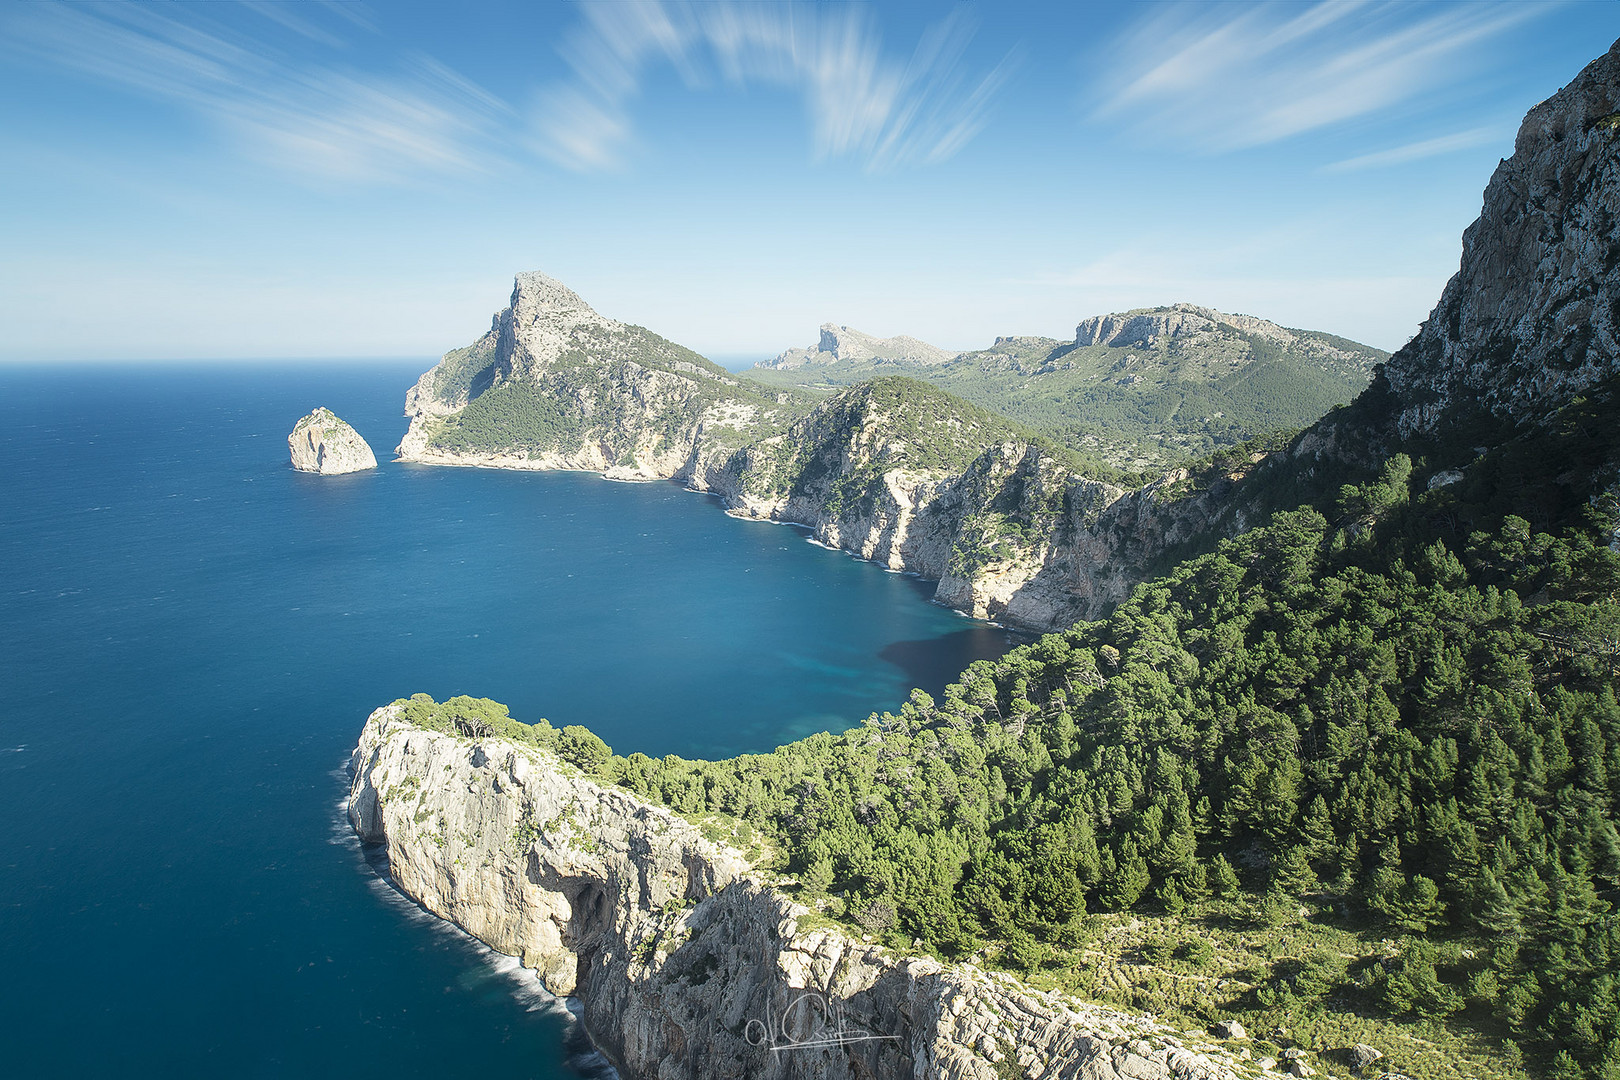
(300,115)
(1227,77)
(863,102)
(1426,148)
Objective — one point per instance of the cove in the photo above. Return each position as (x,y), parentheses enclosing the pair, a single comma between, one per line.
(192,635)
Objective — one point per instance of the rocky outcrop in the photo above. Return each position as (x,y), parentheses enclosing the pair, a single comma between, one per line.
(321,443)
(1191,329)
(1532,316)
(686,961)
(904,475)
(844,343)
(1147,327)
(555,385)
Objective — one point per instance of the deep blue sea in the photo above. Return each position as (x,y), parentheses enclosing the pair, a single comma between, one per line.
(192,634)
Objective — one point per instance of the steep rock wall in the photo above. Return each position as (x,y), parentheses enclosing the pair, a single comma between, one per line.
(1532,316)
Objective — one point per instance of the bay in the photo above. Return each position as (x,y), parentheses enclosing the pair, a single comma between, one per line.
(192,634)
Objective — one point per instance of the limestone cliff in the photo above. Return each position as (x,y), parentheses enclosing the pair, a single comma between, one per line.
(687,962)
(1217,338)
(322,443)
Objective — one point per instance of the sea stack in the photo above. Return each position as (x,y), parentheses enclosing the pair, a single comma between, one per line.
(322,443)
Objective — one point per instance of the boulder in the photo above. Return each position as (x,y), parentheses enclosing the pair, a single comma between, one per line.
(1362,1056)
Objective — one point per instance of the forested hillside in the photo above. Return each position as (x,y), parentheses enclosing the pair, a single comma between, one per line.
(1373,756)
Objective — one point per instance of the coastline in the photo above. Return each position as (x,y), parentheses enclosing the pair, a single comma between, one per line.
(740,513)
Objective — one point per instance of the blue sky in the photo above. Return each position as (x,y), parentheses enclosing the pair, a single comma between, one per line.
(295,179)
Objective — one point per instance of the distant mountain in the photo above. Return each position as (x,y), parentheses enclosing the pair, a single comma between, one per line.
(843,344)
(1144,388)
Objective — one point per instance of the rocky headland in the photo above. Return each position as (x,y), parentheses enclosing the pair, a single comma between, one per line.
(322,443)
(688,961)
(893,469)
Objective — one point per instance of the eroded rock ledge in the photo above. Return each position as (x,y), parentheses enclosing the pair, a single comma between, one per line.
(685,959)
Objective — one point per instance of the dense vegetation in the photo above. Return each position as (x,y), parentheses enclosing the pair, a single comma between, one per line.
(1360,729)
(1136,406)
(482,718)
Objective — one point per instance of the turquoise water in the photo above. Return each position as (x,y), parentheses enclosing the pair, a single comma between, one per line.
(192,635)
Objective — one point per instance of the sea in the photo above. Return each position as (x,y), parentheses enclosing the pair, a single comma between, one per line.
(192,635)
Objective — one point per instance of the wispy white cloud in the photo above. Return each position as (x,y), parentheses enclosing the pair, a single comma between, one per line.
(862,101)
(1426,148)
(1234,76)
(321,120)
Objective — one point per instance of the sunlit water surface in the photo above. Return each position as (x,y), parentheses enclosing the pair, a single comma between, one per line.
(192,634)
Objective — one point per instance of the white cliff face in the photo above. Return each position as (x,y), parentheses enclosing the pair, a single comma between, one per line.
(1015,537)
(544,320)
(686,961)
(1530,319)
(321,443)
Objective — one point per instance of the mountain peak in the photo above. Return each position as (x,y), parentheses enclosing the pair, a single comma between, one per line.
(539,293)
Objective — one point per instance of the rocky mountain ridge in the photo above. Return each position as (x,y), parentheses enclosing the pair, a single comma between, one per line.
(1019,530)
(689,963)
(1012,526)
(1141,389)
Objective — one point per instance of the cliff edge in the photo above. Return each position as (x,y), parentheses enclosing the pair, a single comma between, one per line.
(687,961)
